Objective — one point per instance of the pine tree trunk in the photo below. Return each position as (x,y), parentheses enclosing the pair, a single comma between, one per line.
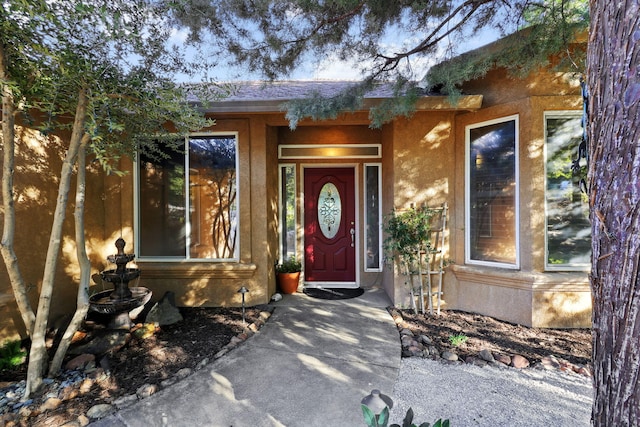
(614,179)
(82,301)
(38,352)
(9,211)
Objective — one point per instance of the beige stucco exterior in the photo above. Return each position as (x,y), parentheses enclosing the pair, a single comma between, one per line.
(423,162)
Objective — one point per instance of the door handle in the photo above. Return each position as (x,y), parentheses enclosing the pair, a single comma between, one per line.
(353,237)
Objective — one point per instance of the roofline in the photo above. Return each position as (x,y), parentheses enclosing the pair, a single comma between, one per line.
(427,103)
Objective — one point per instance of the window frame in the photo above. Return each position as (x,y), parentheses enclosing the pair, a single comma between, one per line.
(547,266)
(467,196)
(187,257)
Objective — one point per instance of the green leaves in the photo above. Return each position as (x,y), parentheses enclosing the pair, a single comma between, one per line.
(373,420)
(409,233)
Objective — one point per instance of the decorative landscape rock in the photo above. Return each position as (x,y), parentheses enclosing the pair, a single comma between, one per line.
(80,362)
(519,362)
(99,411)
(449,356)
(486,355)
(165,312)
(107,342)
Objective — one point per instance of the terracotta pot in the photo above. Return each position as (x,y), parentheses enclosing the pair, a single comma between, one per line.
(288,282)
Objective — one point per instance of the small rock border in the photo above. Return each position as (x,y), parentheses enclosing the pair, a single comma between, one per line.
(414,345)
(73,382)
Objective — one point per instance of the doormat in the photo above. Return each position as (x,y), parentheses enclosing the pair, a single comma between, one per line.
(333,293)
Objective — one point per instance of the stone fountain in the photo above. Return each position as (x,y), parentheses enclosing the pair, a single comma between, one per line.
(119,301)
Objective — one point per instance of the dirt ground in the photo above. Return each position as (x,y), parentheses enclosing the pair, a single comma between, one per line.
(205,331)
(573,345)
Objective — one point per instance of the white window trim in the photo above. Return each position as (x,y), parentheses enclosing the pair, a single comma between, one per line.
(366,212)
(187,258)
(547,266)
(467,193)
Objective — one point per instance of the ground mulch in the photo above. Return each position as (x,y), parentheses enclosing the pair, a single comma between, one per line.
(485,332)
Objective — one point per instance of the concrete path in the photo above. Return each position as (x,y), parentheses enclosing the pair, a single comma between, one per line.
(309,365)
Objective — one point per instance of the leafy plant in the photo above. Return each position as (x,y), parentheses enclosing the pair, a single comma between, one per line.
(11,355)
(408,233)
(382,419)
(290,265)
(458,339)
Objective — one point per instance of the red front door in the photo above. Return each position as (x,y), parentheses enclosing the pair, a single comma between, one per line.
(329,225)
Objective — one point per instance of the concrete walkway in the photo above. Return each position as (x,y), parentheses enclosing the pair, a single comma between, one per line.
(309,365)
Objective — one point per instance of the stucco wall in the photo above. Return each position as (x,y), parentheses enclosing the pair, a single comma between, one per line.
(37,174)
(423,163)
(528,295)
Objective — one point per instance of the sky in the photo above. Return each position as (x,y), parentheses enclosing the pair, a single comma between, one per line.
(331,68)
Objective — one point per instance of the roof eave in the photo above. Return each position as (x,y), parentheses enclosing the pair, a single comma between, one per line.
(427,103)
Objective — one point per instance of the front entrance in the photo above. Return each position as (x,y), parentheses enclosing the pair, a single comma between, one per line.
(330,226)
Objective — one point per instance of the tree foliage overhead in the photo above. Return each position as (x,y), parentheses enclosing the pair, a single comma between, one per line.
(387,41)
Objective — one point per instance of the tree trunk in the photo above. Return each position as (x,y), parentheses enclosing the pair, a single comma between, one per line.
(9,220)
(82,302)
(38,352)
(614,177)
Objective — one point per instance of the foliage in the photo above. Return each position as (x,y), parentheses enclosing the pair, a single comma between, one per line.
(551,29)
(387,42)
(102,73)
(457,340)
(12,354)
(290,265)
(408,233)
(382,419)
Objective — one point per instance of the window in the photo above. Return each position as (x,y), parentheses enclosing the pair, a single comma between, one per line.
(568,232)
(287,211)
(372,215)
(198,221)
(492,193)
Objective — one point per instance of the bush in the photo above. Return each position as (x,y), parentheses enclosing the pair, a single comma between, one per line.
(11,355)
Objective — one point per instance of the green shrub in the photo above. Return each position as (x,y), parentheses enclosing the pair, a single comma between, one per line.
(382,419)
(458,339)
(11,355)
(290,265)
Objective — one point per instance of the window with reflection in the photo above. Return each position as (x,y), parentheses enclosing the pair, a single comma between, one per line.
(187,201)
(372,215)
(492,193)
(568,231)
(287,211)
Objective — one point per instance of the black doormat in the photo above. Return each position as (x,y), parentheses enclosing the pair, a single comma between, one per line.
(333,293)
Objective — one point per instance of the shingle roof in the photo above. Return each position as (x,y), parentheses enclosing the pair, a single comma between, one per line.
(297,89)
(259,96)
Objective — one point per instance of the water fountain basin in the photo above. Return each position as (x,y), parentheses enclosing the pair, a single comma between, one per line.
(115,276)
(103,303)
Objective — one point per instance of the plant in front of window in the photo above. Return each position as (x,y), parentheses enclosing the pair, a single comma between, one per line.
(408,235)
(288,275)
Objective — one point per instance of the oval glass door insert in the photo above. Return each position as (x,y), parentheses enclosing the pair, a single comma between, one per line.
(329,210)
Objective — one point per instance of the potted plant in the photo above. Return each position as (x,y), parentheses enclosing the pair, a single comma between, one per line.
(288,275)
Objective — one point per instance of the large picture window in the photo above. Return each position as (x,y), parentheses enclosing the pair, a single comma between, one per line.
(568,232)
(492,193)
(187,201)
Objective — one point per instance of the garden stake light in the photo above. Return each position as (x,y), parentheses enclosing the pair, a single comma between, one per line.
(243,290)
